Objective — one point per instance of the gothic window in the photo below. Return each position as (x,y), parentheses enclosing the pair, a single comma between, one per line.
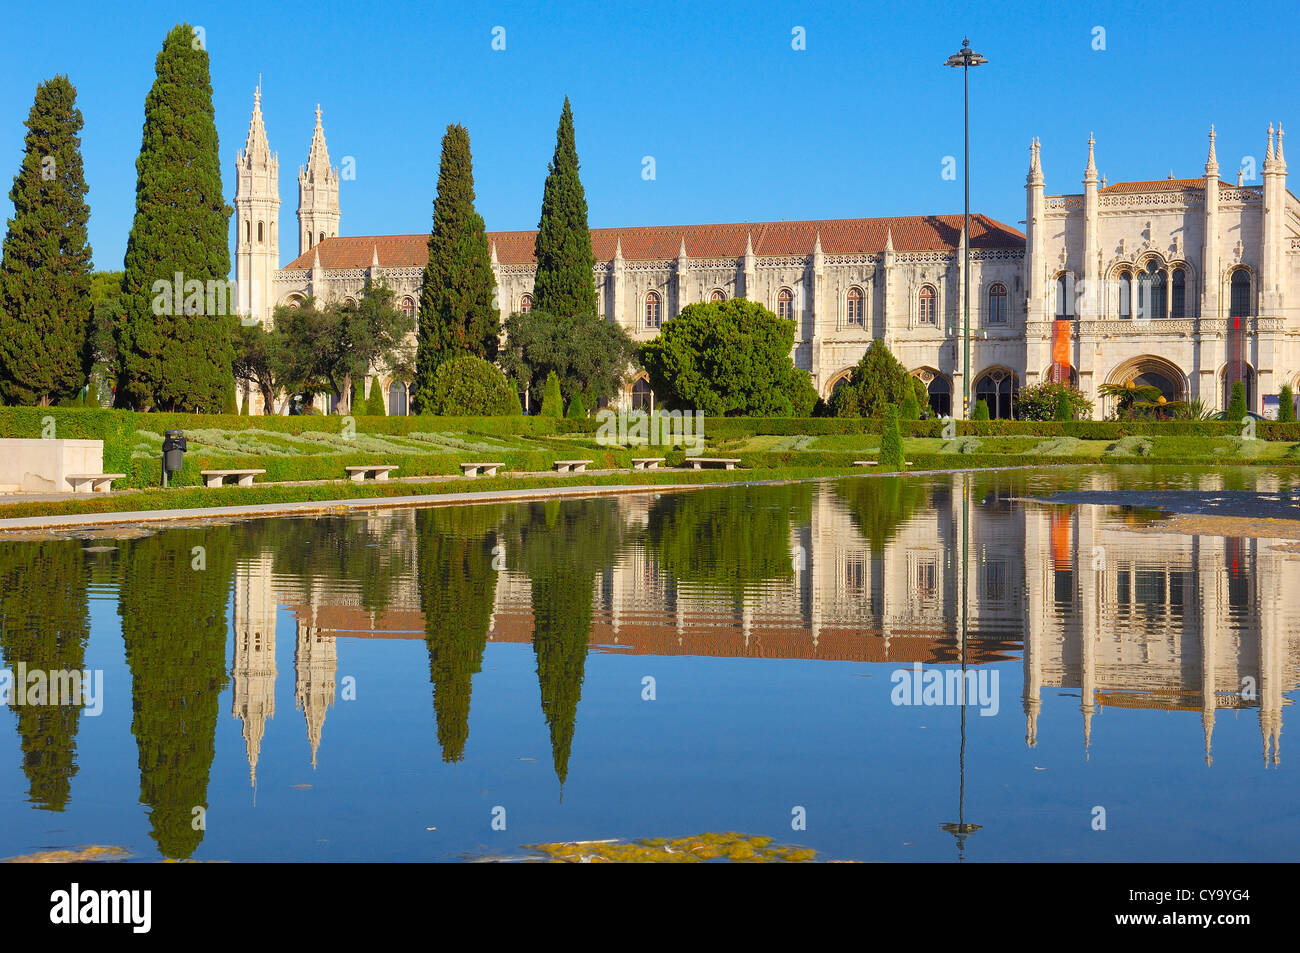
(525,304)
(397,403)
(1064,298)
(1239,295)
(1153,291)
(1178,296)
(940,392)
(653,313)
(408,307)
(259,233)
(998,304)
(785,304)
(309,241)
(855,310)
(925,306)
(641,396)
(1126,295)
(997,389)
(717,297)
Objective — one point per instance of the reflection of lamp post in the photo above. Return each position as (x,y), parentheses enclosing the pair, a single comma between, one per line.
(961,830)
(966,58)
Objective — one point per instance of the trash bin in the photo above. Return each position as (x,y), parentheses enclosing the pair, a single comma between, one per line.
(174,448)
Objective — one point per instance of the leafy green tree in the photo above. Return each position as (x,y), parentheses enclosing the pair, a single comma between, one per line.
(731,543)
(1237,405)
(458,312)
(454,549)
(45,625)
(176,652)
(176,349)
(260,359)
(981,411)
(564,284)
(469,386)
(877,380)
(728,358)
(891,441)
(1286,404)
(1131,398)
(552,400)
(45,301)
(1041,402)
(909,409)
(588,355)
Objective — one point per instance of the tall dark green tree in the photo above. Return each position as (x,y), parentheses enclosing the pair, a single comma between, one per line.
(45,302)
(458,584)
(176,651)
(175,348)
(564,284)
(45,624)
(458,312)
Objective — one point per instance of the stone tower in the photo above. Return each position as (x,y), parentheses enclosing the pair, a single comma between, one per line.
(253,674)
(318,194)
(316,661)
(257,217)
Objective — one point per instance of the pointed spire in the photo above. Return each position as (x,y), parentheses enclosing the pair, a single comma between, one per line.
(495,260)
(1281,159)
(318,159)
(1207,724)
(257,151)
(1268,156)
(618,249)
(1211,161)
(749,245)
(315,261)
(889,240)
(681,249)
(1090,172)
(374,258)
(1035,162)
(1241,176)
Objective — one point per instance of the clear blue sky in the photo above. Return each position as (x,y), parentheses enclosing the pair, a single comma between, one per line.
(741,126)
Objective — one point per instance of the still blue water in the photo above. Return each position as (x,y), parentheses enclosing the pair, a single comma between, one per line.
(457,682)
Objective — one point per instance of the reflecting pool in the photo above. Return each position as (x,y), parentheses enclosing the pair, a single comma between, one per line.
(1018,665)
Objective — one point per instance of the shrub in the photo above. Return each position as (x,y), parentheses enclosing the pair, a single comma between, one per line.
(1285,404)
(910,409)
(1236,406)
(375,402)
(358,394)
(879,379)
(577,407)
(469,385)
(1042,402)
(552,400)
(891,441)
(981,411)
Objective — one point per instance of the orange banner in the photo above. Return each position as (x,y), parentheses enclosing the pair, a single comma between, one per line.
(1061,344)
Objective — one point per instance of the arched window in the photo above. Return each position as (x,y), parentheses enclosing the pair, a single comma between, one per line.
(1152,292)
(717,297)
(1178,294)
(322,237)
(855,309)
(1126,296)
(940,392)
(397,406)
(248,231)
(1064,299)
(525,303)
(998,303)
(653,313)
(997,389)
(925,305)
(309,241)
(641,397)
(1239,294)
(408,307)
(259,233)
(785,304)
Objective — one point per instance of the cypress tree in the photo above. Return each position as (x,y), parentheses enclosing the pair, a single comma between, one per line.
(1286,404)
(358,401)
(1237,405)
(375,402)
(458,312)
(45,304)
(891,441)
(564,284)
(175,345)
(552,399)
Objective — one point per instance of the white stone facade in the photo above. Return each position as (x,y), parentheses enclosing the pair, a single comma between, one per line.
(847,282)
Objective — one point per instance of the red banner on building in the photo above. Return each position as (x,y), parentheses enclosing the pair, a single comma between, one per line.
(1061,351)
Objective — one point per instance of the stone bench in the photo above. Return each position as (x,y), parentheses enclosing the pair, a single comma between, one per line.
(489,469)
(872,463)
(571,466)
(216,478)
(727,463)
(358,473)
(646,463)
(92,482)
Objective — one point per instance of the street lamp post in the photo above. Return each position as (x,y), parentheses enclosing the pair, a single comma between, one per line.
(966,58)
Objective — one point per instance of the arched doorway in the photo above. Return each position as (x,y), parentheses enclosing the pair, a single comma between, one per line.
(397,401)
(997,388)
(939,391)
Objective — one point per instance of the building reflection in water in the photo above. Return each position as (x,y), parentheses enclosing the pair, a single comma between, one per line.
(869,570)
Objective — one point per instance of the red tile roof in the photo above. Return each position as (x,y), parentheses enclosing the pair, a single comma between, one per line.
(844,236)
(1162,185)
